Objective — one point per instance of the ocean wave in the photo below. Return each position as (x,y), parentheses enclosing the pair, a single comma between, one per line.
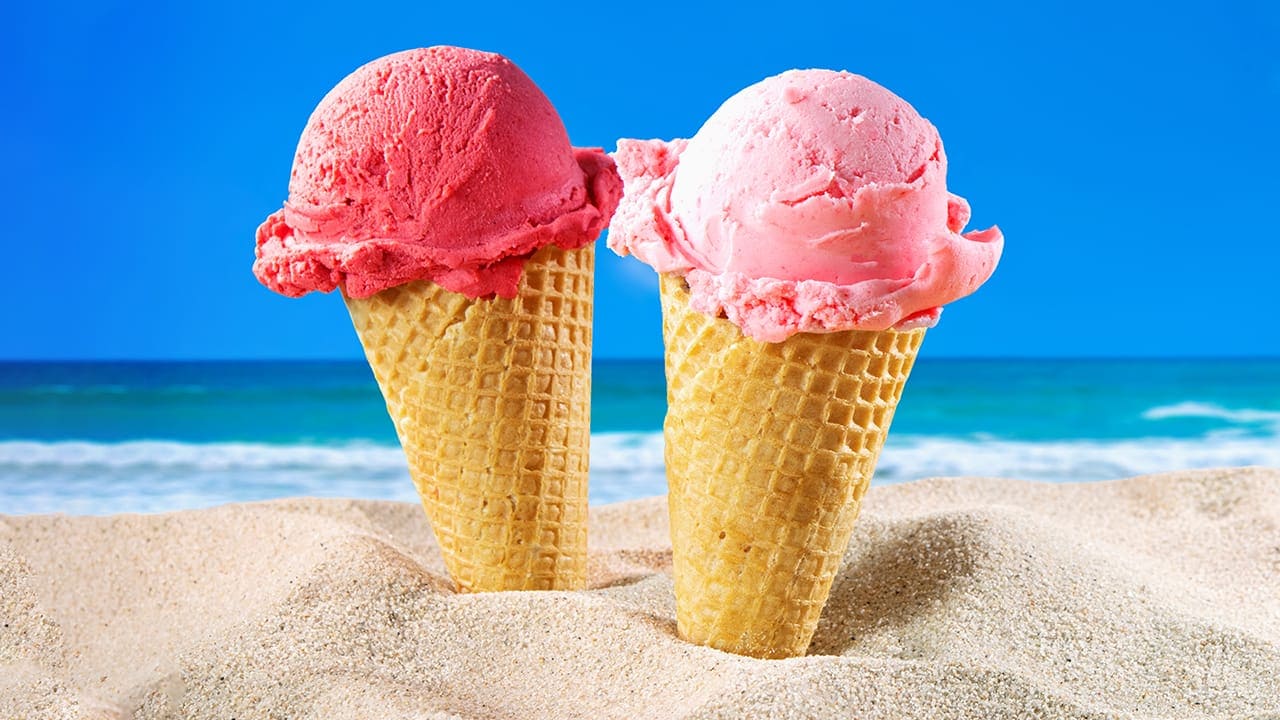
(153,475)
(611,452)
(178,456)
(911,457)
(1210,411)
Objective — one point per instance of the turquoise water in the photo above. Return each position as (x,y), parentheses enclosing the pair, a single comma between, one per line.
(112,437)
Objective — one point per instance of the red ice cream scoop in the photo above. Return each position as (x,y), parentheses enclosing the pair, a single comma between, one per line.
(444,164)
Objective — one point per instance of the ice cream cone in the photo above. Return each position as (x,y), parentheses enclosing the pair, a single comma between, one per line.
(769,450)
(491,402)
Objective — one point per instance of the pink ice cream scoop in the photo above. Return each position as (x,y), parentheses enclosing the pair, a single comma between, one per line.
(444,164)
(812,201)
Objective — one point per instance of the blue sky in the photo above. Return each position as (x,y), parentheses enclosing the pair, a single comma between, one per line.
(1128,155)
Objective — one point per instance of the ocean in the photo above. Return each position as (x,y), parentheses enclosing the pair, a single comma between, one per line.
(100,438)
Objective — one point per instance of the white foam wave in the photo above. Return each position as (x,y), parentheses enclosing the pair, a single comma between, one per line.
(145,476)
(177,456)
(152,476)
(610,452)
(911,458)
(914,457)
(1213,412)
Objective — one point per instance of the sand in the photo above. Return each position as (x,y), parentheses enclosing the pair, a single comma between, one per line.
(1156,596)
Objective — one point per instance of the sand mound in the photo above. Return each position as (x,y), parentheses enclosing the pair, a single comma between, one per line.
(1151,597)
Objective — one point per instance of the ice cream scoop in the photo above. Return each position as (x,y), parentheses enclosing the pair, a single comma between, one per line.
(805,239)
(443,164)
(812,201)
(438,189)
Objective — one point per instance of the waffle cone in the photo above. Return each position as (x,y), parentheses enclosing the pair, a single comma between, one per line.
(491,402)
(769,450)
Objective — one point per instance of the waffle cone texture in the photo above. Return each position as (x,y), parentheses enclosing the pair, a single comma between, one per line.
(491,402)
(770,448)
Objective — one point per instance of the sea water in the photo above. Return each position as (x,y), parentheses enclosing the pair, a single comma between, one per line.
(143,437)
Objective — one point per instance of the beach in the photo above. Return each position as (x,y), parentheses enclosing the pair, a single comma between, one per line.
(1155,596)
(296,282)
